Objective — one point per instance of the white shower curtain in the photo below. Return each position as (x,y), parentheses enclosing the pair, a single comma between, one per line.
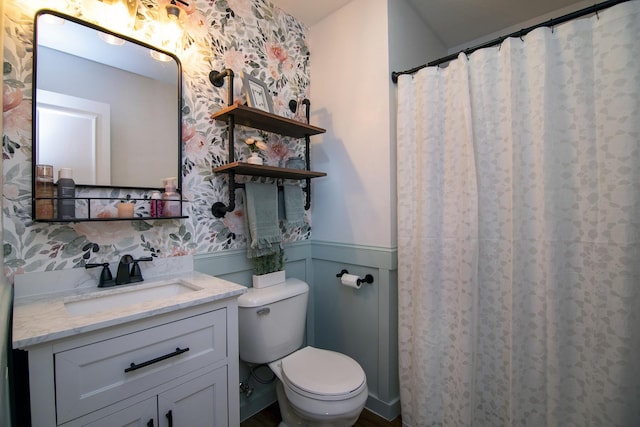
(519,231)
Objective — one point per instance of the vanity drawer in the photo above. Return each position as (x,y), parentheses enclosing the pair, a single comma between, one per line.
(93,376)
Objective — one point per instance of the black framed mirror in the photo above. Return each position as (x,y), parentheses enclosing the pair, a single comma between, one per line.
(105,105)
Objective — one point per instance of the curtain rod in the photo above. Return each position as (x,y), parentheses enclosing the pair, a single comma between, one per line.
(550,23)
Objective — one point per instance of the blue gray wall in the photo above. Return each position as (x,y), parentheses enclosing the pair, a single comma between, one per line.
(360,323)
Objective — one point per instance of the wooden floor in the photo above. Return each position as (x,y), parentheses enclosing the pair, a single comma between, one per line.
(270,417)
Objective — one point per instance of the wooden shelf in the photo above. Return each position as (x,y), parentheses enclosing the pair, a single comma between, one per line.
(241,168)
(258,119)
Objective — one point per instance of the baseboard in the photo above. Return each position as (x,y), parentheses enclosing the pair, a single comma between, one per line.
(388,411)
(256,403)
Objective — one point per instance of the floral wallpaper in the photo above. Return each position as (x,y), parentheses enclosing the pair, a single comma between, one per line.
(243,35)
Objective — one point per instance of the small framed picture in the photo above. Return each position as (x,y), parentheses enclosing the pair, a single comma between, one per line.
(257,93)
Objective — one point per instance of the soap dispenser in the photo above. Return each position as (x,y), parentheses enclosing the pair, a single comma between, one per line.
(170,198)
(66,194)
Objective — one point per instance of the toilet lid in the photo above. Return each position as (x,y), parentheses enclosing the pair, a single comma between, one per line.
(322,372)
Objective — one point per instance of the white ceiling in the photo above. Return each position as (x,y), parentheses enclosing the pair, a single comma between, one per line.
(454,21)
(310,12)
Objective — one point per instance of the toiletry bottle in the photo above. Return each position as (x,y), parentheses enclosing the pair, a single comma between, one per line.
(156,204)
(170,199)
(44,188)
(66,194)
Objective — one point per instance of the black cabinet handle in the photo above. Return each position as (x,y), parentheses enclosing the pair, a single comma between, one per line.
(178,351)
(150,423)
(170,418)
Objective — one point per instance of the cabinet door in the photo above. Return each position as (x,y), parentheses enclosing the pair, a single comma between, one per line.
(143,414)
(201,402)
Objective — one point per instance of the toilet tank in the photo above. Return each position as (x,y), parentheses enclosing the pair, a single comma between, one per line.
(271,321)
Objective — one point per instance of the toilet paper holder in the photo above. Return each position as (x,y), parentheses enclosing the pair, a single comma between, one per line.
(367,279)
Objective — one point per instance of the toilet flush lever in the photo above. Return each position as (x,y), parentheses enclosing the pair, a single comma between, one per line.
(263,311)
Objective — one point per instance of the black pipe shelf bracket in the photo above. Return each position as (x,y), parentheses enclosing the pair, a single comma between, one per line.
(258,119)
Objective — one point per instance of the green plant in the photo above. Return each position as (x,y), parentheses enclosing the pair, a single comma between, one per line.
(268,263)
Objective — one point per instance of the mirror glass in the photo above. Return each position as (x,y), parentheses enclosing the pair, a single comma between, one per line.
(106,106)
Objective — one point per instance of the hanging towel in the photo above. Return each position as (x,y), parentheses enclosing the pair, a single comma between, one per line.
(261,213)
(294,205)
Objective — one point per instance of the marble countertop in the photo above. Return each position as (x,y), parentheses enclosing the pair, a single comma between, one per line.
(43,318)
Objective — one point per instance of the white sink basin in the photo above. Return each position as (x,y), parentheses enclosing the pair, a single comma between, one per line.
(114,298)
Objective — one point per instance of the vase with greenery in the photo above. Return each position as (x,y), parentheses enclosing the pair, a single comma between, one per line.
(268,269)
(256,145)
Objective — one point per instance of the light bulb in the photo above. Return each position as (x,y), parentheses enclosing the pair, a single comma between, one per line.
(168,33)
(121,15)
(159,56)
(32,6)
(108,38)
(117,15)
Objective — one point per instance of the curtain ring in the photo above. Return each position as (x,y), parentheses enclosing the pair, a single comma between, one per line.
(502,39)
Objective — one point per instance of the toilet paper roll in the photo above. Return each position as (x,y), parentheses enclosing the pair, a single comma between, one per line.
(350,280)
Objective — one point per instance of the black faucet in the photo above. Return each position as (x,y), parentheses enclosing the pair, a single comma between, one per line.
(136,274)
(123,277)
(129,275)
(106,279)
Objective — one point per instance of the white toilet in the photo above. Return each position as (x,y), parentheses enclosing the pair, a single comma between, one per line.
(316,387)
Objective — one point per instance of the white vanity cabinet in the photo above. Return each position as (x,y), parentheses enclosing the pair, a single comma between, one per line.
(188,404)
(141,414)
(174,369)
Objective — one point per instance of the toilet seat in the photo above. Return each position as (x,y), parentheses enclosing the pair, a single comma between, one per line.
(322,374)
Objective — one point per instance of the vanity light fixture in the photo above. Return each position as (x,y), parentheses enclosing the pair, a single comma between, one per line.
(173,11)
(35,5)
(169,32)
(117,15)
